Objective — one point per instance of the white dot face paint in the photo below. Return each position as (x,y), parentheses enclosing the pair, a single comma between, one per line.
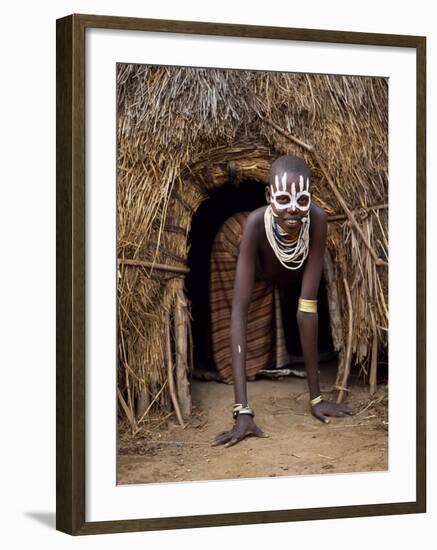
(279,189)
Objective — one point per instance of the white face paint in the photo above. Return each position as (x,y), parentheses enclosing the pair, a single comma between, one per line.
(279,189)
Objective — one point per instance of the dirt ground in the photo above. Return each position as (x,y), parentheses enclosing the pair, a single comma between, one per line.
(297,442)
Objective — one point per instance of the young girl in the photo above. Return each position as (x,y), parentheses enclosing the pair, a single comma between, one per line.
(283,243)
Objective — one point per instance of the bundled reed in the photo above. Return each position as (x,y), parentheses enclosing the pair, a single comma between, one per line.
(178,131)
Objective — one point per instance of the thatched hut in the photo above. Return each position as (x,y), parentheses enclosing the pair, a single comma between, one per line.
(183,134)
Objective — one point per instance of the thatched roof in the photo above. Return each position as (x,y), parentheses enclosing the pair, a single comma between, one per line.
(177,130)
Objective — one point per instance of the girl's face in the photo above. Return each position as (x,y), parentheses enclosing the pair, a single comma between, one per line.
(290,199)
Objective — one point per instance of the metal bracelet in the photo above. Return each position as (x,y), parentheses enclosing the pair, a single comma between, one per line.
(239,408)
(316,400)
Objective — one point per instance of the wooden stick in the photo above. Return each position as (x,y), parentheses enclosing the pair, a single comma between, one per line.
(374,360)
(127,369)
(156,246)
(162,267)
(334,306)
(345,207)
(332,185)
(350,426)
(127,412)
(340,217)
(171,383)
(129,400)
(152,402)
(181,321)
(347,361)
(287,135)
(143,401)
(335,313)
(373,402)
(191,348)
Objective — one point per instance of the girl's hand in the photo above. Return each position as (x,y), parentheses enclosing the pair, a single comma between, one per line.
(244,427)
(324,409)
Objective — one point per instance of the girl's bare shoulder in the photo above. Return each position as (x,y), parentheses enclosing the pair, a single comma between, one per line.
(319,218)
(255,220)
(318,214)
(319,224)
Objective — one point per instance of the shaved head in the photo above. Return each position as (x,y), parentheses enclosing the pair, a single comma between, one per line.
(288,192)
(290,164)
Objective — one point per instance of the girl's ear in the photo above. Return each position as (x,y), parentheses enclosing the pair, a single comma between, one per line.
(268,194)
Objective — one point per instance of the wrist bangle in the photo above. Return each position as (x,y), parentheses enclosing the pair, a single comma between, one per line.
(316,400)
(239,408)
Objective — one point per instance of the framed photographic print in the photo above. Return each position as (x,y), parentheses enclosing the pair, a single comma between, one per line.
(240,254)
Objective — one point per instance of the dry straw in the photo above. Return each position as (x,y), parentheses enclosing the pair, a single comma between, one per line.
(178,130)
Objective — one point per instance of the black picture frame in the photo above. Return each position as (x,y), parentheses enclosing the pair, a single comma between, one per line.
(71,283)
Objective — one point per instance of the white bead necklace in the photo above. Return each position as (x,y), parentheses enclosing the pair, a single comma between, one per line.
(291,255)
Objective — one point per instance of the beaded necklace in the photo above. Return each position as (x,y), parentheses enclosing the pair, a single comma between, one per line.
(291,254)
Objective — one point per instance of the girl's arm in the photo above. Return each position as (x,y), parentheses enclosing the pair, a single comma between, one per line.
(244,281)
(308,322)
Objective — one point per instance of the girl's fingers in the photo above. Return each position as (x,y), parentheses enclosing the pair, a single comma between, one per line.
(259,433)
(344,412)
(322,418)
(222,438)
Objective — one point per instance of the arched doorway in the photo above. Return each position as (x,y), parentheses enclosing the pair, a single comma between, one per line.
(223,202)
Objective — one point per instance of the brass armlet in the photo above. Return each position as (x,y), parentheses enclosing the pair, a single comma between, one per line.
(307,306)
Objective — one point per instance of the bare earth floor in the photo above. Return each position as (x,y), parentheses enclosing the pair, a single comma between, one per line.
(297,442)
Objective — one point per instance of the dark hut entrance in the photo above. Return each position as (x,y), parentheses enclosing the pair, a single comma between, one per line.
(222,203)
